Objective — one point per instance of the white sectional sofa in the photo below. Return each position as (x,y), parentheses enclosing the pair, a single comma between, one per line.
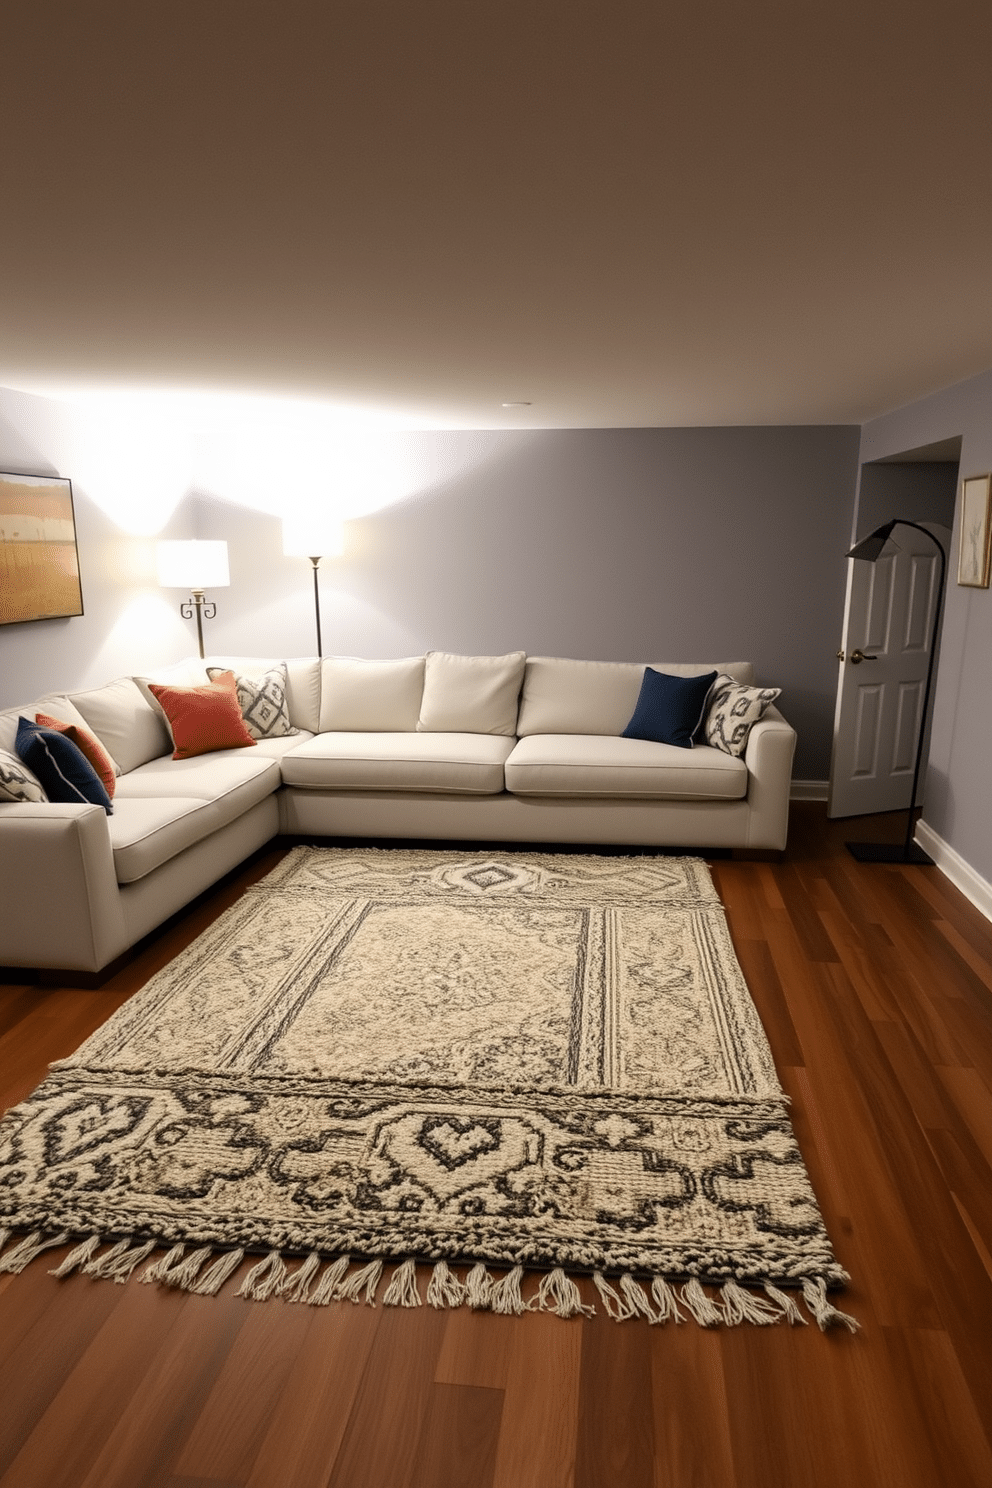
(487,749)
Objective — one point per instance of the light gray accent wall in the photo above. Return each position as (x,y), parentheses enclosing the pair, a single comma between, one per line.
(643,544)
(126,625)
(958,800)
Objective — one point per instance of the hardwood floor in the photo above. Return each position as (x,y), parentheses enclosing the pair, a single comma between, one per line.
(875,987)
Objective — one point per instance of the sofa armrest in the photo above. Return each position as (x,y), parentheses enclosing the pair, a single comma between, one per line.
(58,891)
(768,756)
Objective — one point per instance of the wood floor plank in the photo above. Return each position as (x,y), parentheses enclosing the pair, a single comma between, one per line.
(33,1377)
(973,1101)
(145,1440)
(691,1418)
(616,1415)
(308,1423)
(392,1402)
(231,1427)
(537,1439)
(476,1348)
(97,1391)
(457,1446)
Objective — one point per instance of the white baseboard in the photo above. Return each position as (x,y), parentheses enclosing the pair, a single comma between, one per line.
(808,790)
(971,883)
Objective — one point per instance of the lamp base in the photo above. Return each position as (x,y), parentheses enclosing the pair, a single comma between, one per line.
(888,852)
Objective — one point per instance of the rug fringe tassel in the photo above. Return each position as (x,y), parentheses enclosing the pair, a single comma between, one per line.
(402,1290)
(790,1310)
(159,1271)
(24,1252)
(117,1263)
(827,1316)
(210,1283)
(559,1294)
(637,1299)
(506,1297)
(297,1284)
(665,1299)
(478,1287)
(706,1312)
(366,1280)
(78,1257)
(444,1289)
(740,1307)
(264,1279)
(327,1287)
(616,1307)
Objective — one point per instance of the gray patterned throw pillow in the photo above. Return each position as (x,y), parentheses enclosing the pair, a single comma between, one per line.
(262,700)
(732,712)
(17,783)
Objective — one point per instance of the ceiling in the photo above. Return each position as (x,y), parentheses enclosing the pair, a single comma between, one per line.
(640,214)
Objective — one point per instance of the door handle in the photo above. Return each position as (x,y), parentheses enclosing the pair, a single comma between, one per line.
(859,656)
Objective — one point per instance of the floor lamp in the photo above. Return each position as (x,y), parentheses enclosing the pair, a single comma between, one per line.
(869,548)
(196,566)
(312,535)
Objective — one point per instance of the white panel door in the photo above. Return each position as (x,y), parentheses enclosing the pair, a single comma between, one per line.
(888,622)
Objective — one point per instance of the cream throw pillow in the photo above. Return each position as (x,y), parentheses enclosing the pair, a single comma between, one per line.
(262,700)
(733,710)
(471,694)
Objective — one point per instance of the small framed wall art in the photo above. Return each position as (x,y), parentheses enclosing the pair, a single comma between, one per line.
(976,530)
(39,560)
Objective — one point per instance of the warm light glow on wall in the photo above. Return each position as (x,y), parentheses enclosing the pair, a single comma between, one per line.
(312,535)
(133,461)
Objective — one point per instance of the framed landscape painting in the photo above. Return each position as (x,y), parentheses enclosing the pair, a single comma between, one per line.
(39,561)
(973,558)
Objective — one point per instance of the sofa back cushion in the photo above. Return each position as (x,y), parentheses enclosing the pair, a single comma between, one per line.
(302,682)
(371,697)
(128,727)
(471,694)
(55,703)
(561,696)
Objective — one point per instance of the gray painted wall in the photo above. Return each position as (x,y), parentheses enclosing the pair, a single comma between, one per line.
(645,544)
(958,799)
(918,492)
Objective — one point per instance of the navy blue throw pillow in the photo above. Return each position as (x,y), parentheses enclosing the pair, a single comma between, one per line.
(669,709)
(64,771)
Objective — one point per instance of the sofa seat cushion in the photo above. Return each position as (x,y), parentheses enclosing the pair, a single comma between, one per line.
(230,775)
(469,764)
(165,806)
(146,832)
(595,765)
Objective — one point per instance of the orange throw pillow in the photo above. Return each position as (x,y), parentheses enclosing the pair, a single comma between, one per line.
(202,719)
(88,745)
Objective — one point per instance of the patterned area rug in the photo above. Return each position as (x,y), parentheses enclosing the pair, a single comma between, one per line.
(497,1063)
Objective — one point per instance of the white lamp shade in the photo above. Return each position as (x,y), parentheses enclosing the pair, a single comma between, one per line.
(193,565)
(312,535)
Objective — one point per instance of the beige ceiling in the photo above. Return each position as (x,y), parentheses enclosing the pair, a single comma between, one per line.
(632,213)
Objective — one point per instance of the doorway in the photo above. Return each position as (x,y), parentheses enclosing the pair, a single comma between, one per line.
(888,622)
